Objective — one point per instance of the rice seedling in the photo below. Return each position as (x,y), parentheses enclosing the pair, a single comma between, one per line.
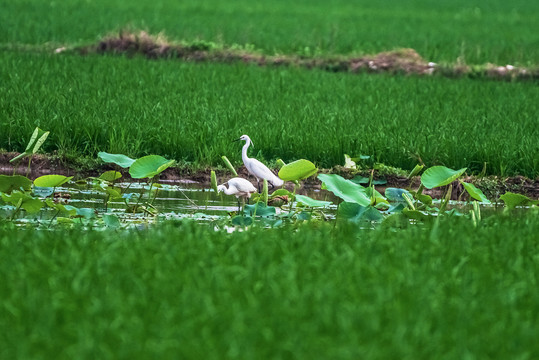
(398,121)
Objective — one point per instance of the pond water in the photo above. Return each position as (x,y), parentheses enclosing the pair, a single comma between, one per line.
(178,200)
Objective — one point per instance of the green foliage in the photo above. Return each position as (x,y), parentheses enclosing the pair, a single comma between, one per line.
(118,159)
(213,181)
(355,212)
(264,195)
(111,221)
(480,32)
(149,166)
(513,200)
(307,100)
(297,170)
(437,176)
(15,182)
(311,202)
(474,192)
(52,180)
(259,209)
(36,140)
(23,200)
(111,175)
(415,171)
(311,290)
(345,189)
(65,209)
(229,165)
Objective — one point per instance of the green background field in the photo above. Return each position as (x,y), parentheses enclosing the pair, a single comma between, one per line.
(444,289)
(450,291)
(476,31)
(192,112)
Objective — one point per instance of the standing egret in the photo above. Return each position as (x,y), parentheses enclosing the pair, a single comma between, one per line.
(256,168)
(239,187)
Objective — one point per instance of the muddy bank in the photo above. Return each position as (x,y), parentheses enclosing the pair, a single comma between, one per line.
(492,186)
(400,61)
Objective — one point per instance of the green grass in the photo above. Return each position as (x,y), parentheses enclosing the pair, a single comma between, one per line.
(192,112)
(477,31)
(319,292)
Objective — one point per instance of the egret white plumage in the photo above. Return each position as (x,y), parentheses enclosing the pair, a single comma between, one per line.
(239,187)
(256,168)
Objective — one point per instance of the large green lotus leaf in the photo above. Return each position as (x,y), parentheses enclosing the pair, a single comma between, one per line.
(437,176)
(51,180)
(281,192)
(15,182)
(297,170)
(118,159)
(474,192)
(260,208)
(111,175)
(86,213)
(149,166)
(345,189)
(513,200)
(311,202)
(242,220)
(356,212)
(111,221)
(27,202)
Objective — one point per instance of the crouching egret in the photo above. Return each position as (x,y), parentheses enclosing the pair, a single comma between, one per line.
(256,168)
(239,187)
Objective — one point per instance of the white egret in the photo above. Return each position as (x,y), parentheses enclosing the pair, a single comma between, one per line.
(239,187)
(256,168)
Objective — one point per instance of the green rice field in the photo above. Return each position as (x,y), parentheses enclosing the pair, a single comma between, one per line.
(139,107)
(135,266)
(450,291)
(191,112)
(502,32)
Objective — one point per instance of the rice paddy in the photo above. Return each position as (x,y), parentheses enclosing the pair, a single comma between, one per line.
(310,292)
(136,107)
(105,266)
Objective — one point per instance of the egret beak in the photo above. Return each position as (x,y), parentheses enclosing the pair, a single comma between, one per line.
(238,139)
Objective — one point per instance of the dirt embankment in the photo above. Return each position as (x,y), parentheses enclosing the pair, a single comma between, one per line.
(492,186)
(406,61)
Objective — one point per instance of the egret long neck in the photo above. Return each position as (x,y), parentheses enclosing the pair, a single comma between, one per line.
(244,150)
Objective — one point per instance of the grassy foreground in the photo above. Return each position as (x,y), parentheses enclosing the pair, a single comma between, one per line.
(448,292)
(191,113)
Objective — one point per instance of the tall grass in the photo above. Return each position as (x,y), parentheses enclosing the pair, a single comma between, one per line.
(451,291)
(192,112)
(475,32)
